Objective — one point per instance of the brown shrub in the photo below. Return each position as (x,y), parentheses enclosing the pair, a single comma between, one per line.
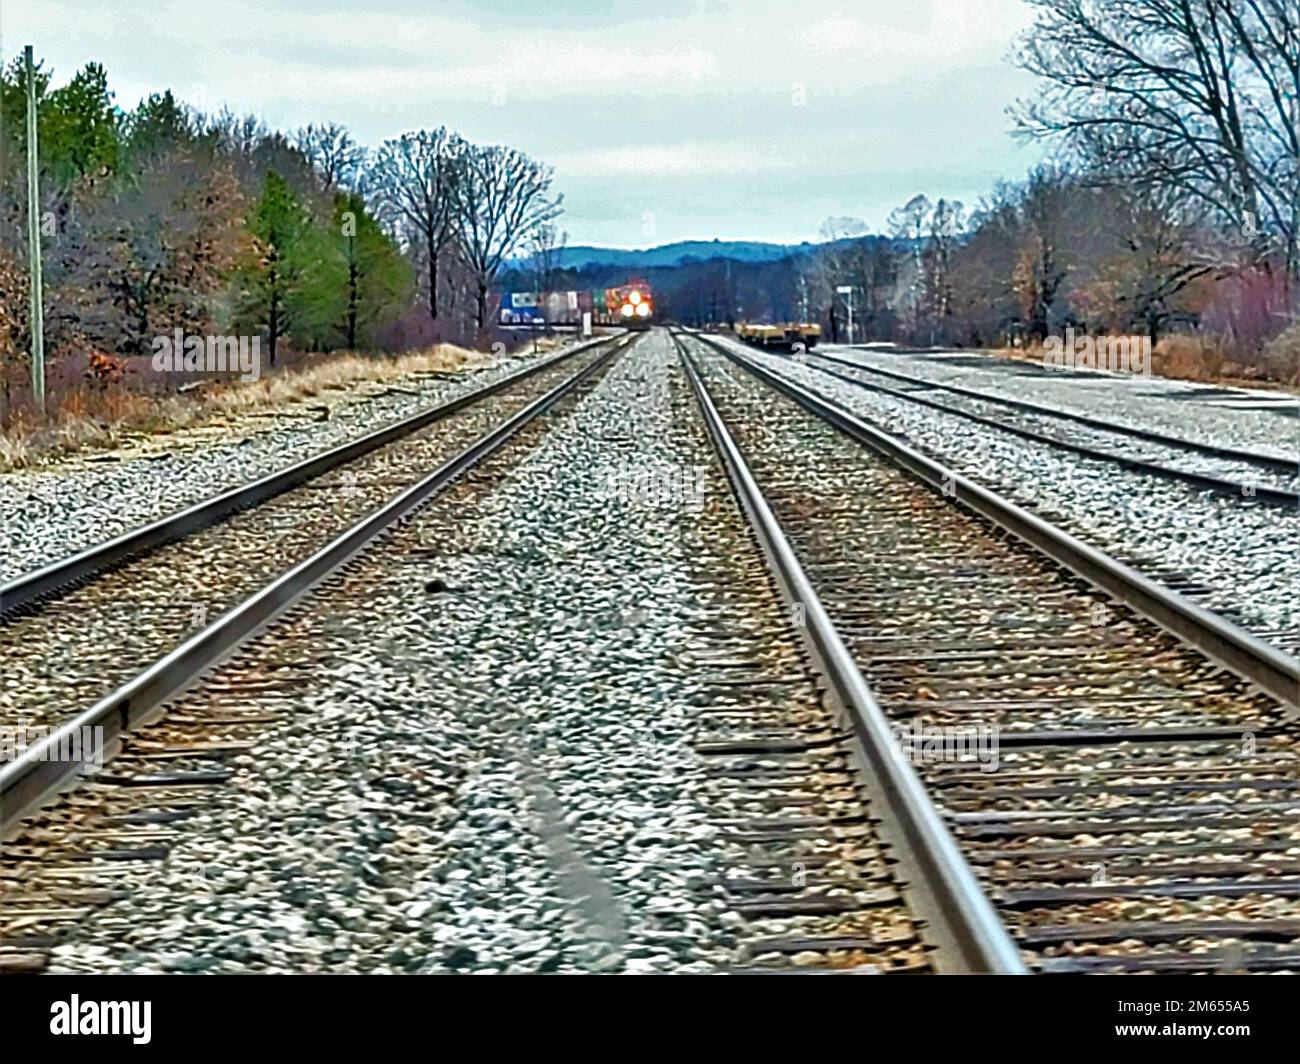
(1281,356)
(1193,358)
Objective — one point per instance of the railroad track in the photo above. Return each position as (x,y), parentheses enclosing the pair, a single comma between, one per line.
(106,834)
(807,772)
(63,647)
(803,867)
(1232,472)
(833,853)
(63,636)
(1127,796)
(49,581)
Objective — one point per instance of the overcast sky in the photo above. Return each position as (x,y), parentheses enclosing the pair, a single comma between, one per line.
(664,119)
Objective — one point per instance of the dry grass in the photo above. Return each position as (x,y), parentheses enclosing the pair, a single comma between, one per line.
(92,418)
(1282,355)
(1189,358)
(1197,358)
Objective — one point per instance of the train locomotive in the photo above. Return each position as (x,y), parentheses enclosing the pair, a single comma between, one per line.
(631,305)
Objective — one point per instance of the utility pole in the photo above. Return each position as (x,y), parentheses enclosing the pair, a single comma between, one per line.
(847,290)
(34,239)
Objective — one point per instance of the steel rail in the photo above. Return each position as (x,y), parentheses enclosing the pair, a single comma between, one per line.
(1271,669)
(963,918)
(1231,488)
(39,583)
(1276,463)
(26,782)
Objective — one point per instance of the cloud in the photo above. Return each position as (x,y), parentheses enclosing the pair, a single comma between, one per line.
(679,160)
(832,107)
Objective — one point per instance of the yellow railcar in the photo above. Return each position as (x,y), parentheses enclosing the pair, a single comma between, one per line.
(790,336)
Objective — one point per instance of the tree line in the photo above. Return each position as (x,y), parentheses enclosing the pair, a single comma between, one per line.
(1170,200)
(162,217)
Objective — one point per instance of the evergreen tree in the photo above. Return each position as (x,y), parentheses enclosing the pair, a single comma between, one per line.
(159,124)
(271,281)
(357,280)
(80,128)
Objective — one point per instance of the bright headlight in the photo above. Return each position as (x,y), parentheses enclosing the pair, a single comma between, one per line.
(634,297)
(628,310)
(643,310)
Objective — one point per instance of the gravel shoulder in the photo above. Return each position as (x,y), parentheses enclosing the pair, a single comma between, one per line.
(1267,421)
(82,500)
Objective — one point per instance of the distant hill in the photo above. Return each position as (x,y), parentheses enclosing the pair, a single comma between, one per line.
(582,256)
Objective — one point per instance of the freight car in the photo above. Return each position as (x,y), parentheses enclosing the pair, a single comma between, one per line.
(787,337)
(630,305)
(545,308)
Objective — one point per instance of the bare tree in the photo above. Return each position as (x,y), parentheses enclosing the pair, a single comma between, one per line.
(334,155)
(1194,95)
(984,297)
(152,256)
(1042,264)
(1150,262)
(833,261)
(906,224)
(234,134)
(545,249)
(502,197)
(946,223)
(412,183)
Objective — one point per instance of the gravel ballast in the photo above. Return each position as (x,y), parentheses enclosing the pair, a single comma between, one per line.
(484,762)
(59,509)
(1249,419)
(1235,555)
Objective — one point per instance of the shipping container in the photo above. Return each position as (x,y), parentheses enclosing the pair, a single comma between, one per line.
(563,307)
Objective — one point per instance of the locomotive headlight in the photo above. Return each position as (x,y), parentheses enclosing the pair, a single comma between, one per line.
(628,310)
(643,310)
(634,297)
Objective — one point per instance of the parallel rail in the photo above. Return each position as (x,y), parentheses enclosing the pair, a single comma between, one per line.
(50,579)
(963,918)
(1274,463)
(26,783)
(1220,485)
(1270,668)
(1140,814)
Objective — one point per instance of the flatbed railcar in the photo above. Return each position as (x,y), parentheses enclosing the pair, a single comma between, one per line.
(790,336)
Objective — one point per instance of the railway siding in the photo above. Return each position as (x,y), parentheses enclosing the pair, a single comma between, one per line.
(1229,555)
(1255,419)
